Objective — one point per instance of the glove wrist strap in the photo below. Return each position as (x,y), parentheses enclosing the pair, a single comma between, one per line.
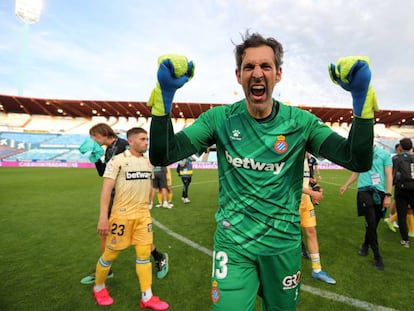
(161,100)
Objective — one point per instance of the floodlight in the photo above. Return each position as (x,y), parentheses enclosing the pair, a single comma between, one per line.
(29,10)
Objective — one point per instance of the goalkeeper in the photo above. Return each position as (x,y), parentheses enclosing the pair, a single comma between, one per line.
(261,145)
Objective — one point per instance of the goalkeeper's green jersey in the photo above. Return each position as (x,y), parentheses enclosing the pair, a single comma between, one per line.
(260,167)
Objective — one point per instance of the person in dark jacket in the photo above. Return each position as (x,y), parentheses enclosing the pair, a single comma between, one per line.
(185,172)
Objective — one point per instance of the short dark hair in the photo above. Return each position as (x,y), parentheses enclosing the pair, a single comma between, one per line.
(406,144)
(397,147)
(135,130)
(102,129)
(256,40)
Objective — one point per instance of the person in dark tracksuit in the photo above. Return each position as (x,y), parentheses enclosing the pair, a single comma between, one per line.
(185,172)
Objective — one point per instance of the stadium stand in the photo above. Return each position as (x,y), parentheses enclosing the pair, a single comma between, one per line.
(124,123)
(178,124)
(13,121)
(38,155)
(46,138)
(189,121)
(341,129)
(381,131)
(404,131)
(36,129)
(65,140)
(72,156)
(29,138)
(84,127)
(8,151)
(43,138)
(53,124)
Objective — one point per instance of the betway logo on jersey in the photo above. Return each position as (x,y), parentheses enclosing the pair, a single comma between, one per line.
(251,164)
(137,175)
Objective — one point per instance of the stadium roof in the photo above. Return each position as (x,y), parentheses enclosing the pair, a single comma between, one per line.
(90,108)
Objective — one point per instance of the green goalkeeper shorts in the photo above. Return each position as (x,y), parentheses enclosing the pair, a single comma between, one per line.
(238,277)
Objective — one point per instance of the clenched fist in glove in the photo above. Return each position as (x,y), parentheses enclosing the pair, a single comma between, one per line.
(173,72)
(353,74)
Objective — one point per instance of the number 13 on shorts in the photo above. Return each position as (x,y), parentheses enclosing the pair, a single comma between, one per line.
(220,260)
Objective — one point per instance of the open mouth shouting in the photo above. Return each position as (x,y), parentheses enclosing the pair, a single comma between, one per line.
(258,92)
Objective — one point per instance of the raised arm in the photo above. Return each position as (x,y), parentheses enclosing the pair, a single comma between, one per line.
(353,74)
(166,147)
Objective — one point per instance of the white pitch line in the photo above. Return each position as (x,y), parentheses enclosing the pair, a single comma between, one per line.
(363,305)
(346,300)
(182,239)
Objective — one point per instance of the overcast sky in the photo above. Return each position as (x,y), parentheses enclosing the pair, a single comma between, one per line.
(108,49)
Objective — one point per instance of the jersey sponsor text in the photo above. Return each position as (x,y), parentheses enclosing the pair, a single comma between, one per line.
(137,175)
(249,163)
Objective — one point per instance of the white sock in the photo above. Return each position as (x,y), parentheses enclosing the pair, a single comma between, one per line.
(97,288)
(147,295)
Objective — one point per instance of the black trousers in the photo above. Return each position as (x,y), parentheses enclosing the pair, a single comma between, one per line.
(186,183)
(403,198)
(373,212)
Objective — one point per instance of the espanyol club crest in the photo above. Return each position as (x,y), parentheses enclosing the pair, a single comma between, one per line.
(280,146)
(215,292)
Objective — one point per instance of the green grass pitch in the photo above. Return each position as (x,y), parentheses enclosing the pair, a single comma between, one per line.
(48,219)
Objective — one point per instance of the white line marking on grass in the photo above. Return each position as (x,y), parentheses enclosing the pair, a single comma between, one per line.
(311,290)
(346,300)
(336,184)
(182,239)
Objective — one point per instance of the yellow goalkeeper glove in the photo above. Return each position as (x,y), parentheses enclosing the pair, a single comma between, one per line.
(353,74)
(173,72)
